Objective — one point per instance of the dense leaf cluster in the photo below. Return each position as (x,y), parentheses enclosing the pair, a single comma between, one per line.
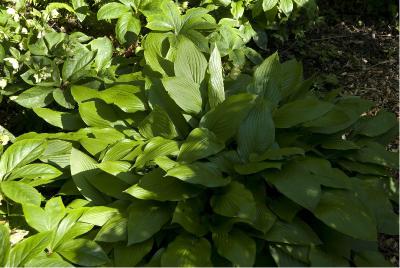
(166,159)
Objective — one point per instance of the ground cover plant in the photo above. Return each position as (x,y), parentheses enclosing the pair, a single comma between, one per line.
(172,142)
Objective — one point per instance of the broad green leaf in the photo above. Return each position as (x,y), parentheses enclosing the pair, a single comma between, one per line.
(339,144)
(76,63)
(127,28)
(104,49)
(155,186)
(277,154)
(255,167)
(27,249)
(377,125)
(21,193)
(200,143)
(188,214)
(64,98)
(202,173)
(83,168)
(4,244)
(320,258)
(216,93)
(83,252)
(353,220)
(98,215)
(130,256)
(375,153)
(190,63)
(112,10)
(44,260)
(114,230)
(269,4)
(145,219)
(296,232)
(257,131)
(19,154)
(225,119)
(234,200)
(185,93)
(369,258)
(266,79)
(158,123)
(283,258)
(63,120)
(156,147)
(286,6)
(43,172)
(187,251)
(300,111)
(120,150)
(34,97)
(123,96)
(99,114)
(236,246)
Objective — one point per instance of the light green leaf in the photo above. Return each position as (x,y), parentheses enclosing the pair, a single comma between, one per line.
(4,244)
(64,98)
(156,147)
(185,93)
(234,200)
(127,28)
(76,63)
(99,114)
(269,4)
(187,251)
(158,123)
(225,119)
(216,93)
(123,96)
(296,232)
(63,120)
(154,186)
(257,131)
(190,63)
(19,154)
(27,249)
(112,10)
(98,215)
(200,143)
(145,219)
(300,111)
(236,246)
(34,97)
(83,252)
(286,6)
(355,220)
(114,230)
(35,172)
(104,49)
(21,193)
(202,173)
(266,79)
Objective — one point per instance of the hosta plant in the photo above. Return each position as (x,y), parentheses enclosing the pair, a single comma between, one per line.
(180,166)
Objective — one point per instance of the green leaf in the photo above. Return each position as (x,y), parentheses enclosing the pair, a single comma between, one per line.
(187,251)
(300,111)
(200,143)
(27,249)
(266,79)
(156,147)
(98,215)
(83,168)
(43,172)
(83,252)
(234,200)
(99,114)
(112,10)
(190,63)
(114,230)
(252,168)
(257,131)
(225,119)
(375,153)
(202,173)
(104,49)
(353,220)
(76,63)
(155,186)
(19,154)
(283,258)
(320,258)
(63,120)
(377,125)
(158,123)
(64,98)
(236,246)
(286,6)
(4,244)
(44,260)
(269,4)
(145,219)
(216,93)
(297,232)
(185,93)
(130,256)
(127,28)
(369,258)
(123,96)
(188,214)
(277,154)
(34,97)
(21,193)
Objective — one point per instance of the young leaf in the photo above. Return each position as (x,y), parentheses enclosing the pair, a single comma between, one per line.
(112,10)
(216,93)
(127,28)
(104,49)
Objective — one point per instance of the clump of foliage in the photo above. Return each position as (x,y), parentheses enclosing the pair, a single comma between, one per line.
(165,159)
